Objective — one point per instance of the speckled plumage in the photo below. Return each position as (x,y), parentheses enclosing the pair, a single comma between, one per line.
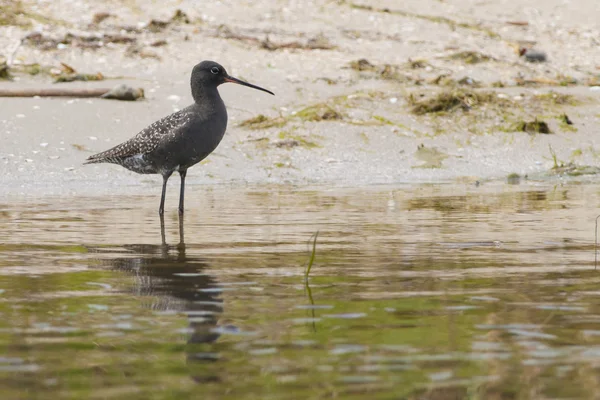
(182,139)
(135,153)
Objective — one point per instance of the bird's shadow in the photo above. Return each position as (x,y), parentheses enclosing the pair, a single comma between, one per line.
(175,282)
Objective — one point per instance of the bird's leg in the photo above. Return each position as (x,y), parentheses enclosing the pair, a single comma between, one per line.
(182,190)
(162,230)
(181,236)
(166,176)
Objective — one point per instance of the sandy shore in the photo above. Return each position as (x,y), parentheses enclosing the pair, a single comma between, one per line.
(333,120)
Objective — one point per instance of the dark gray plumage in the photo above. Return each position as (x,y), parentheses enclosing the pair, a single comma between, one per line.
(182,139)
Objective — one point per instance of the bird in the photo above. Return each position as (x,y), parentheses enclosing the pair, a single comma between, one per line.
(182,139)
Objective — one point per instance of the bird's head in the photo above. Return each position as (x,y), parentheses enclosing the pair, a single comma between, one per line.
(209,74)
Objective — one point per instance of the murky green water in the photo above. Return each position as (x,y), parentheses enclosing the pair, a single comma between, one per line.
(442,292)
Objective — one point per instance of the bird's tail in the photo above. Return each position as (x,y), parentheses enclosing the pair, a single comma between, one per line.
(112,155)
(95,159)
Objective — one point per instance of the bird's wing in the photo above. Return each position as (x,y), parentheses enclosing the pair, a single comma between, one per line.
(145,141)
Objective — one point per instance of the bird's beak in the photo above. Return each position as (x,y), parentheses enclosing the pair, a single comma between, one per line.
(239,82)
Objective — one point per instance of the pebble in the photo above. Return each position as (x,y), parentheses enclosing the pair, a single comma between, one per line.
(43,144)
(394,100)
(534,56)
(20,115)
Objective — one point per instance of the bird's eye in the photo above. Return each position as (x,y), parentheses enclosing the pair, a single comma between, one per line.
(215,70)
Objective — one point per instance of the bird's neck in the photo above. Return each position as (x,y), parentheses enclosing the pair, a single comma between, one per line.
(206,95)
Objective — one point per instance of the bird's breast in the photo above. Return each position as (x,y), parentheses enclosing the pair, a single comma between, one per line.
(201,138)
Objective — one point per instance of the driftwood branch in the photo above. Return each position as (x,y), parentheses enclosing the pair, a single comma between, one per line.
(119,92)
(58,92)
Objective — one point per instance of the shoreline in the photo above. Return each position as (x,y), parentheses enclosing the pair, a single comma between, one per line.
(348,107)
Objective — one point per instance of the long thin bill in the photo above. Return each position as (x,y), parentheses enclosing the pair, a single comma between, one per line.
(239,82)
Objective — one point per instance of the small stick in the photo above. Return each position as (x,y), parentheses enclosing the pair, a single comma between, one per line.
(596,244)
(312,255)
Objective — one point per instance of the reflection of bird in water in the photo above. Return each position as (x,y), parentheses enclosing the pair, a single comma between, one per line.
(177,283)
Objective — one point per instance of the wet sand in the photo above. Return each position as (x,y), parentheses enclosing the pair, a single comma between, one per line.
(376,139)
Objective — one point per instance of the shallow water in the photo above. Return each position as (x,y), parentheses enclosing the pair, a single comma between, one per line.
(442,292)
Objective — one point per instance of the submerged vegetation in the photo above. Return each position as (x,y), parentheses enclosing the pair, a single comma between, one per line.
(14,13)
(469,57)
(535,126)
(5,72)
(513,179)
(565,123)
(319,112)
(557,99)
(58,74)
(475,110)
(79,77)
(288,139)
(385,71)
(432,18)
(263,122)
(453,100)
(330,110)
